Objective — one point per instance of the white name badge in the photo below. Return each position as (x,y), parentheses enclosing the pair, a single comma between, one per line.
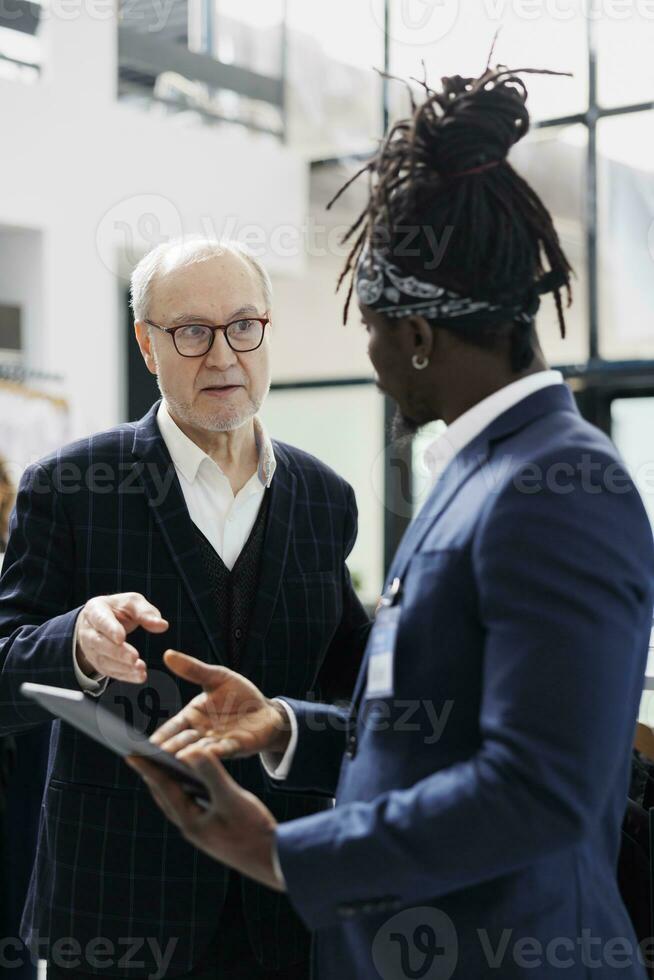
(381,662)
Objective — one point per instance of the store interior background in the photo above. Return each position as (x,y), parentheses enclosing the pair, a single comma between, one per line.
(241,118)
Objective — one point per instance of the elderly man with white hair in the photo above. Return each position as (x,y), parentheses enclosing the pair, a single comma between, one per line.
(189,529)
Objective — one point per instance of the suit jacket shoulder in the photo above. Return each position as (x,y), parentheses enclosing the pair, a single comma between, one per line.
(556,444)
(107,444)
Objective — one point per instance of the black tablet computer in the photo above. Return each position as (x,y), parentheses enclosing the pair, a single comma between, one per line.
(95,721)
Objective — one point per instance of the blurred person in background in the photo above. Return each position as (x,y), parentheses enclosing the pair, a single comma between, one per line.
(22,775)
(481,772)
(193,528)
(7,499)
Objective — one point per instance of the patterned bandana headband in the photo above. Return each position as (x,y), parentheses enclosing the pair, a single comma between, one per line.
(385,288)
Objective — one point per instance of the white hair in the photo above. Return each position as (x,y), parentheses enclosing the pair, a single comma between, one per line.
(180,252)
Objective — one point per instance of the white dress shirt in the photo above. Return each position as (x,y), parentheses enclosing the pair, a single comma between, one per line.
(438,455)
(225,519)
(468,426)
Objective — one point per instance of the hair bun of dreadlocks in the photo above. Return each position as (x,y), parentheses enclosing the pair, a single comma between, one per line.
(472,122)
(484,236)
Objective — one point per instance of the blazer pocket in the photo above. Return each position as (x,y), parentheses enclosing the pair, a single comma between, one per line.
(94,789)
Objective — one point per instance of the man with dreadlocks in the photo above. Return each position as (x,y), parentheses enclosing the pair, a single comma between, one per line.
(480,775)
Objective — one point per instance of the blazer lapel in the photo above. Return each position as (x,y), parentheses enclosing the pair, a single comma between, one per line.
(283,492)
(471,458)
(452,479)
(166,501)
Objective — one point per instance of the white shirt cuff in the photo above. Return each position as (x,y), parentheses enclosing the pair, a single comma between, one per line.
(91,685)
(278,766)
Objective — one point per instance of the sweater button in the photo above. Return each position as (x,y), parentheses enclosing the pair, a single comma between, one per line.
(238,633)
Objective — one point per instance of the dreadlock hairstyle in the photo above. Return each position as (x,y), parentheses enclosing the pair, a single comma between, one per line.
(442,176)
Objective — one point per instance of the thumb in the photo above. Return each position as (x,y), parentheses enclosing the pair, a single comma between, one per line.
(195,671)
(223,789)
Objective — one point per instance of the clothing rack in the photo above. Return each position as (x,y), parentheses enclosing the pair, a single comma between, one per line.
(18,372)
(16,377)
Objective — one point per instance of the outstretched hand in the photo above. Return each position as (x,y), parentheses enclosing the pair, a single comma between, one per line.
(231,715)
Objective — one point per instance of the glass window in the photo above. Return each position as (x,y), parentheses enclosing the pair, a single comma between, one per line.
(422,482)
(624,45)
(626,236)
(168,61)
(334,97)
(553,161)
(455,38)
(343,427)
(632,425)
(246,34)
(310,340)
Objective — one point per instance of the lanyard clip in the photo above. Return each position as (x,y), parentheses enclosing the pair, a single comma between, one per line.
(391,595)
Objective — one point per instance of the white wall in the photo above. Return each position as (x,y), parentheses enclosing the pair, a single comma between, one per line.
(102,181)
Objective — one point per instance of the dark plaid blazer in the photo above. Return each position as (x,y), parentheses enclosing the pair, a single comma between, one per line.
(107,515)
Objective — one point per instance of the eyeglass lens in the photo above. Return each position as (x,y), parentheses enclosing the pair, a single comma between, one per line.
(195,339)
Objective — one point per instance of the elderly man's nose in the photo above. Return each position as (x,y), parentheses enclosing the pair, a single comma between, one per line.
(221,354)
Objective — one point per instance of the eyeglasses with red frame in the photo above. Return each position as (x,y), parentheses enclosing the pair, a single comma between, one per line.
(196,339)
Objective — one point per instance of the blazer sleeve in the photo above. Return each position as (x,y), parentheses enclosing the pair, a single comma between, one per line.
(565,597)
(36,621)
(342,662)
(319,751)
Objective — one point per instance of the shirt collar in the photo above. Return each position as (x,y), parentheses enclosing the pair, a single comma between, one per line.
(187,455)
(469,425)
(267,461)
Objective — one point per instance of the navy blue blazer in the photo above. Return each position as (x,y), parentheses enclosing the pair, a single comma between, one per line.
(478,811)
(107,515)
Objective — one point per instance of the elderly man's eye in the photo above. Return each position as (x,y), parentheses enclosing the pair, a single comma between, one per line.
(194,331)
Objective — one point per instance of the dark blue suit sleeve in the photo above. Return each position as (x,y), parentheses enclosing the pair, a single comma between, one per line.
(565,598)
(36,622)
(319,753)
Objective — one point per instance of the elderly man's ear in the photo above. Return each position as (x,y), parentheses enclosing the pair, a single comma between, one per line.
(144,340)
